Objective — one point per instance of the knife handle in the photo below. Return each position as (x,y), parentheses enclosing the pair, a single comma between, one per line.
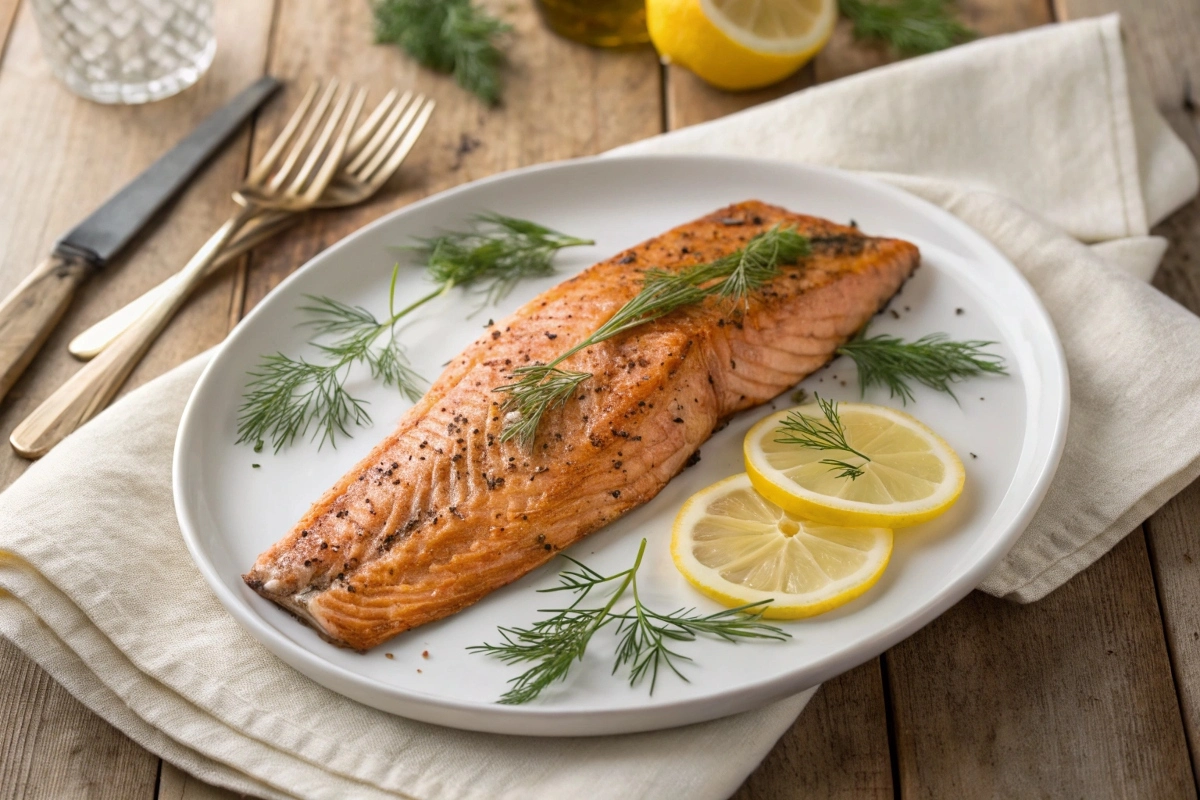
(88,391)
(33,309)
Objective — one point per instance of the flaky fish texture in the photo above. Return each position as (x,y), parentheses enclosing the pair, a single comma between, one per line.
(442,512)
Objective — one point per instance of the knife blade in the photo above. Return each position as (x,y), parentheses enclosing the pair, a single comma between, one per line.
(32,310)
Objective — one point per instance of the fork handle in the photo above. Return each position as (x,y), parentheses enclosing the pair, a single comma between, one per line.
(88,344)
(33,309)
(91,388)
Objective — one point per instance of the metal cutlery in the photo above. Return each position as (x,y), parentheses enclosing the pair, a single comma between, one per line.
(373,155)
(292,177)
(88,344)
(32,310)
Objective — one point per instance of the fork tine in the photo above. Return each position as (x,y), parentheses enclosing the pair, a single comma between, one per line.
(301,144)
(336,154)
(385,130)
(368,128)
(395,135)
(389,167)
(267,162)
(320,147)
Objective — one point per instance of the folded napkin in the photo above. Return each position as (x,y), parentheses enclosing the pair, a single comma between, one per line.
(1038,140)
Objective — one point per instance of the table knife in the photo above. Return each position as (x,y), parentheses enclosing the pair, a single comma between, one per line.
(32,310)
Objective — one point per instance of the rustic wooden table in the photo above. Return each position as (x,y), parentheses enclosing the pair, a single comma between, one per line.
(1093,692)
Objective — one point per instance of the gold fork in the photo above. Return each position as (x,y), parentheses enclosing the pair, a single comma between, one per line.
(374,153)
(307,168)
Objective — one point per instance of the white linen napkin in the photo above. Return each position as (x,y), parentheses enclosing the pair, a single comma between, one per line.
(1037,140)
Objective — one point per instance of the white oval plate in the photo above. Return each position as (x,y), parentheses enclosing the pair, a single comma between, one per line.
(1008,430)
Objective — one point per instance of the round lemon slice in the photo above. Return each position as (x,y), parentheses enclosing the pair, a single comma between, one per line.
(737,547)
(906,473)
(740,44)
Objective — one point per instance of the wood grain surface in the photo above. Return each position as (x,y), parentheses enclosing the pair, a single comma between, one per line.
(1093,692)
(52,747)
(175,784)
(837,749)
(1076,689)
(8,12)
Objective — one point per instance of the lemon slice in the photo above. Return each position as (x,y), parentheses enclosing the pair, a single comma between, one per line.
(737,547)
(740,44)
(912,475)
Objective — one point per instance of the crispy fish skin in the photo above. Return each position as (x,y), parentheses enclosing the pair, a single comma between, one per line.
(442,512)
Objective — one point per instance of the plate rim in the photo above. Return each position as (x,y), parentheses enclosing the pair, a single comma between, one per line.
(548,720)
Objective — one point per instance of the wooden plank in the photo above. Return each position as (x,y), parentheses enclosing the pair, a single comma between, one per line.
(1068,697)
(562,101)
(61,157)
(838,748)
(691,100)
(8,13)
(995,17)
(1163,36)
(175,784)
(1173,535)
(52,746)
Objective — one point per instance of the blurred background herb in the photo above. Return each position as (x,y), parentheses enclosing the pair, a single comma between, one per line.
(452,36)
(912,27)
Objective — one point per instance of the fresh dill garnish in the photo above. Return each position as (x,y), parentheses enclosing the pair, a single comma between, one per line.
(538,388)
(452,36)
(933,360)
(644,637)
(287,397)
(822,434)
(911,26)
(496,254)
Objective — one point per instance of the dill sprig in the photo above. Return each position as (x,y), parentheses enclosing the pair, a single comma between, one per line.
(497,253)
(555,643)
(287,397)
(538,388)
(912,27)
(933,360)
(552,645)
(822,434)
(452,36)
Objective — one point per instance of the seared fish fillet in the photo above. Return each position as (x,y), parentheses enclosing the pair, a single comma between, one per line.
(441,512)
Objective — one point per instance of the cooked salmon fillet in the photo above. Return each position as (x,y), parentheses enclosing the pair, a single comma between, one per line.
(442,512)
